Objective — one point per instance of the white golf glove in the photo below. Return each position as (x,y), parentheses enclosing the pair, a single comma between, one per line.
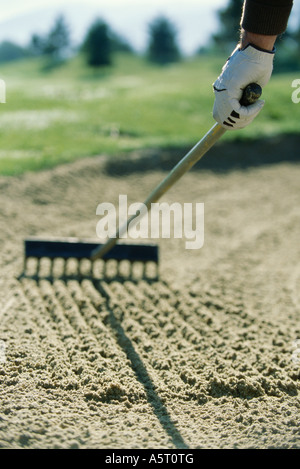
(244,66)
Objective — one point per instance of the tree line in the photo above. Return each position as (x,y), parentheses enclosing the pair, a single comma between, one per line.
(101,42)
(98,46)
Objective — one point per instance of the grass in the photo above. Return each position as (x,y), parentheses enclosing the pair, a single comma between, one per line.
(56,115)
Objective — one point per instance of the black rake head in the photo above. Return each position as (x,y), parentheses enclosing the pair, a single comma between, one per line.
(71,257)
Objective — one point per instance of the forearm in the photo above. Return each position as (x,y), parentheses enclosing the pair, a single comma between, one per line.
(260,40)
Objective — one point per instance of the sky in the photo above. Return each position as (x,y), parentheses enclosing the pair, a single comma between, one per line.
(195,20)
(14,7)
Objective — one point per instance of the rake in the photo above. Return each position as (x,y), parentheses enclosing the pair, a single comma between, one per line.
(86,249)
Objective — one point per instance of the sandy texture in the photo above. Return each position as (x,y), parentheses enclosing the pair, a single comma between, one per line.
(204,357)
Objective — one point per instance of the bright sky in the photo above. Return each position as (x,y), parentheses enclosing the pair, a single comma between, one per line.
(195,19)
(15,7)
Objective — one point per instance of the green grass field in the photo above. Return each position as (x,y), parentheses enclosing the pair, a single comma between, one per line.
(58,115)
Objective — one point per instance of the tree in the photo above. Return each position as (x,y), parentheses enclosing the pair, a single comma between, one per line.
(55,44)
(9,51)
(229,18)
(36,44)
(162,48)
(97,45)
(288,52)
(58,40)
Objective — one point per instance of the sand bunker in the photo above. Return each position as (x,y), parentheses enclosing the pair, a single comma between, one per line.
(204,357)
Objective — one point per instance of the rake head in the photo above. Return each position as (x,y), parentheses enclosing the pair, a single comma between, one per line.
(72,257)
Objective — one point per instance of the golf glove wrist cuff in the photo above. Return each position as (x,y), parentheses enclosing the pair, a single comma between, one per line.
(248,65)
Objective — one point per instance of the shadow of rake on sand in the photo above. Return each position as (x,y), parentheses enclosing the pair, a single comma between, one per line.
(141,373)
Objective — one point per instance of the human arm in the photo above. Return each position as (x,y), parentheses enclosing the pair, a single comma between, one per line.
(264,42)
(263,20)
(251,61)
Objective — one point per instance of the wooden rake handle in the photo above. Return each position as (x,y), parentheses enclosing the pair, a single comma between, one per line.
(251,93)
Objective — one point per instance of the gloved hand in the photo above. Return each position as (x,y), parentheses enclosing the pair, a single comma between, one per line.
(244,66)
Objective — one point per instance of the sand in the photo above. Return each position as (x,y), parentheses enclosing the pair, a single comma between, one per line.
(205,356)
